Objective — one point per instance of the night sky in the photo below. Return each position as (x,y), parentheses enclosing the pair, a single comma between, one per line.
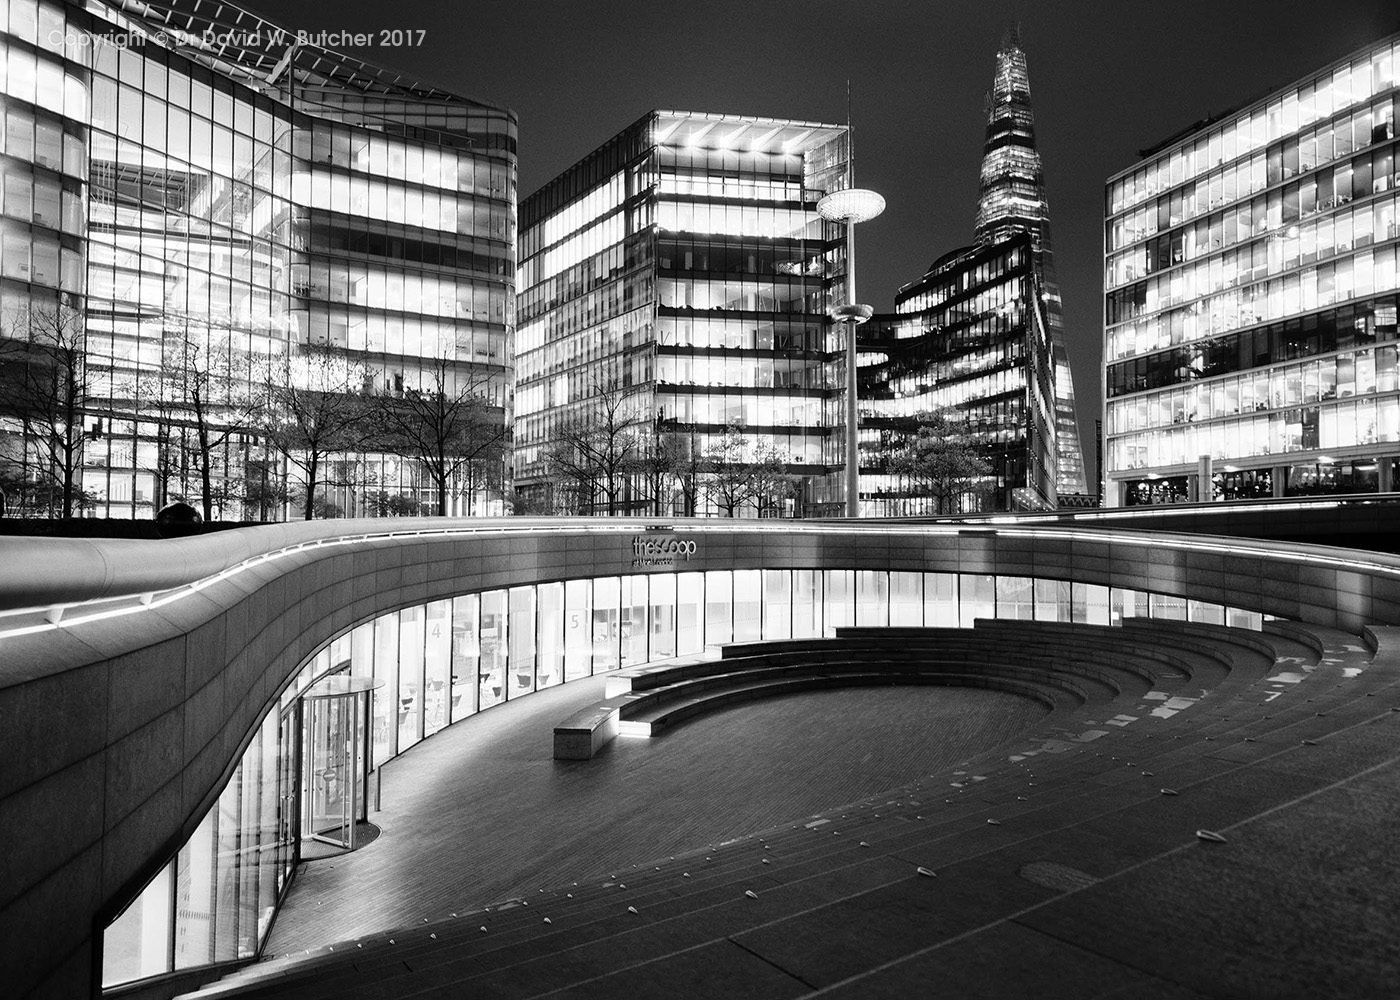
(1107,79)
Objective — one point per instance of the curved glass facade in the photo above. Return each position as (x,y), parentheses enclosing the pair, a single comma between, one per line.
(448,659)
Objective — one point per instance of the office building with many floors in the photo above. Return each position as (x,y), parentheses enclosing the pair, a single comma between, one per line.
(1250,341)
(675,283)
(969,340)
(191,198)
(979,339)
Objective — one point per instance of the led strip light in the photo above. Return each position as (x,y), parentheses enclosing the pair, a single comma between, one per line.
(59,615)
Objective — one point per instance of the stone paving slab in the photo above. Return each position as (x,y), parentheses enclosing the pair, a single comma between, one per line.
(1300,902)
(1012,962)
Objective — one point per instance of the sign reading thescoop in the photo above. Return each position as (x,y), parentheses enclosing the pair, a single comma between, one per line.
(650,552)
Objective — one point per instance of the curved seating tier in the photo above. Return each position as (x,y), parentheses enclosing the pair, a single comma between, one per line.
(1058,664)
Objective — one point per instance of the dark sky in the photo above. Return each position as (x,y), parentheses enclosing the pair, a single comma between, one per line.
(1107,79)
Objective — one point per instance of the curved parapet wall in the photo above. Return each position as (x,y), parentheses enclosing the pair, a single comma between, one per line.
(133,674)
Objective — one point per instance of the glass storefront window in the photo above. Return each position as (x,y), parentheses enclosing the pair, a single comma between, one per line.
(906,599)
(941,600)
(806,603)
(1127,604)
(872,597)
(607,599)
(578,625)
(690,623)
(777,604)
(493,649)
(839,606)
(437,667)
(1167,606)
(466,656)
(1090,603)
(386,701)
(137,943)
(748,605)
(662,606)
(1200,611)
(411,634)
(549,648)
(522,641)
(719,607)
(1052,601)
(633,624)
(1014,597)
(976,598)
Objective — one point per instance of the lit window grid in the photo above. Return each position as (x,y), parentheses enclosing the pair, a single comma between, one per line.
(577,216)
(1368,129)
(1276,387)
(941,286)
(749,188)
(1333,427)
(1297,247)
(745,294)
(1356,277)
(946,395)
(406,204)
(1319,96)
(1264,221)
(571,345)
(446,660)
(763,221)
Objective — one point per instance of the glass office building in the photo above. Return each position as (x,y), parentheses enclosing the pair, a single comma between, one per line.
(209,208)
(980,339)
(969,340)
(683,267)
(1013,200)
(1250,341)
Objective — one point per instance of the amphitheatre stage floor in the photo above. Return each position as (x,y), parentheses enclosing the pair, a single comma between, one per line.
(481,812)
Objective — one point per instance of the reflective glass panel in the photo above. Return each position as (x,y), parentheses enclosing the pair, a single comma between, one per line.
(492,689)
(437,667)
(578,624)
(748,605)
(522,641)
(549,648)
(466,656)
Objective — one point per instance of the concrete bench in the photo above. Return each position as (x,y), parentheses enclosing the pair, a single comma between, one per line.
(583,734)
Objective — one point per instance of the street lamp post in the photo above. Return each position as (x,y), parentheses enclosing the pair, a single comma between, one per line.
(849,207)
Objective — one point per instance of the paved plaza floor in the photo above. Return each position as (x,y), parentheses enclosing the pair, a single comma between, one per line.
(481,812)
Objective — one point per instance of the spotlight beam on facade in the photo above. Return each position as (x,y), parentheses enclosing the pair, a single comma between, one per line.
(849,207)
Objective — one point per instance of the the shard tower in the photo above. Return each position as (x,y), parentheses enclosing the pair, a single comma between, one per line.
(1012,201)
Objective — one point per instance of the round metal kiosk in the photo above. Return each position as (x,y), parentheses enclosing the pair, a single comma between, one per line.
(336,758)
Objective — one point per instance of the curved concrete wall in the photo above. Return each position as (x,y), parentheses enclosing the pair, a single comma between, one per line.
(117,732)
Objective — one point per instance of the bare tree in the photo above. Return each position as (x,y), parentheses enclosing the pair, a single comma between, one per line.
(45,390)
(204,392)
(735,478)
(597,452)
(674,468)
(940,462)
(448,425)
(314,407)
